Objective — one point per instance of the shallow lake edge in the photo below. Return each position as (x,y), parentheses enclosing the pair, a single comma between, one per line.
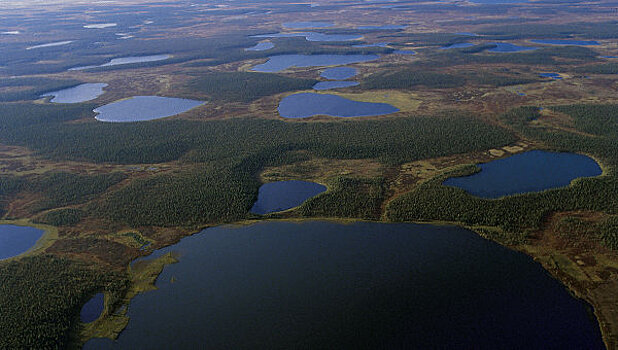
(169,259)
(49,236)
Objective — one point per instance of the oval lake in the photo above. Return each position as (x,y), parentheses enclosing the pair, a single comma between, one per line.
(142,108)
(308,104)
(92,309)
(76,94)
(531,171)
(325,285)
(283,195)
(15,240)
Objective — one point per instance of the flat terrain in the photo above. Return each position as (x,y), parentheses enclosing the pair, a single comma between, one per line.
(112,192)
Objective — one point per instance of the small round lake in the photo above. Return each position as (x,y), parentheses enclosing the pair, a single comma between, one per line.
(282,62)
(325,285)
(15,240)
(339,73)
(76,94)
(309,104)
(283,195)
(142,108)
(92,309)
(531,171)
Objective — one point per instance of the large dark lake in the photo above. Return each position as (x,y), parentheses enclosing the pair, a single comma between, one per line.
(282,195)
(531,171)
(308,104)
(15,240)
(325,285)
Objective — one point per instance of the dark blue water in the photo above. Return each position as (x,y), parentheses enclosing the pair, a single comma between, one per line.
(339,73)
(92,309)
(283,195)
(305,25)
(309,104)
(77,94)
(15,240)
(531,171)
(324,285)
(383,27)
(550,75)
(312,36)
(456,46)
(467,34)
(507,47)
(263,46)
(566,42)
(329,85)
(282,62)
(142,108)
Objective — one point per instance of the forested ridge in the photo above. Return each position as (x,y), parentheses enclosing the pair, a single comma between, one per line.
(44,314)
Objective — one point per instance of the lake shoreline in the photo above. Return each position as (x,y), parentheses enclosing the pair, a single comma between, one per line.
(527,249)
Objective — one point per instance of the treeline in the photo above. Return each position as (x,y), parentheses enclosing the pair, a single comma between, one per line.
(246,86)
(522,213)
(61,217)
(9,185)
(392,140)
(513,214)
(592,30)
(408,79)
(608,230)
(603,68)
(348,198)
(31,88)
(64,188)
(204,194)
(41,297)
(478,55)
